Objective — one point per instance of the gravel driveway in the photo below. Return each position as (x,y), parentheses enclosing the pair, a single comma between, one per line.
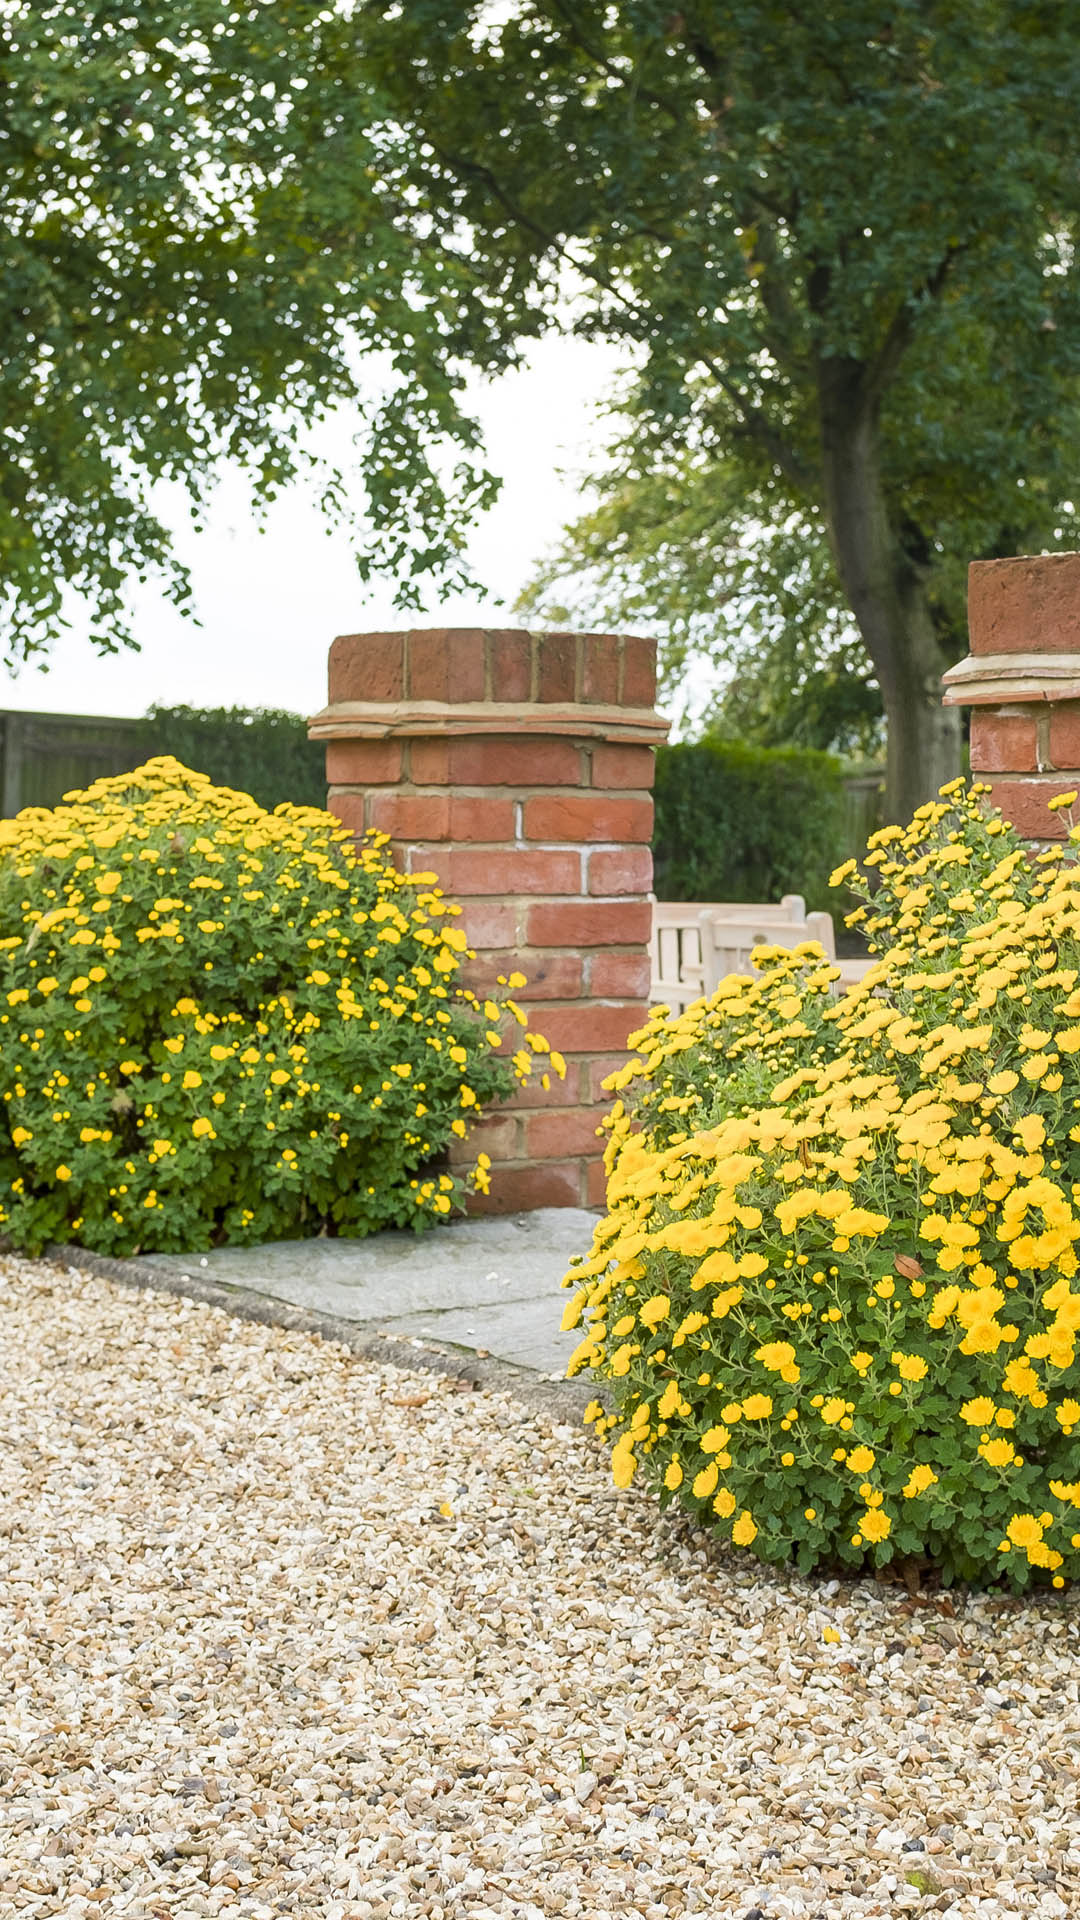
(286,1632)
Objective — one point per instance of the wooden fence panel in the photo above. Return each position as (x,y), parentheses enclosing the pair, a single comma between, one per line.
(45,755)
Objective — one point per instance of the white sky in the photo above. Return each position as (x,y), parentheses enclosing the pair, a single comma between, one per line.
(271,602)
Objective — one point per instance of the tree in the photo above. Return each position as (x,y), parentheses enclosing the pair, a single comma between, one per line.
(685,552)
(198,245)
(837,242)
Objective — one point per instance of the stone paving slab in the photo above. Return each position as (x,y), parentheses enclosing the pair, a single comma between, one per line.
(489,1285)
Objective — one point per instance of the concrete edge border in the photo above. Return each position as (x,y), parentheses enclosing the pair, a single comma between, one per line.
(557,1400)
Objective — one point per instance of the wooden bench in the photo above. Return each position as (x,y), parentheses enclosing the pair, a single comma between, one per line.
(677,951)
(696,943)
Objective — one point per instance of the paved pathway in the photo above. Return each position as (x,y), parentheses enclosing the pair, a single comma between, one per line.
(491,1285)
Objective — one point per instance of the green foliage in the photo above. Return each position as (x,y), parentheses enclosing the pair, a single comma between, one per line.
(746,823)
(199,236)
(221,1025)
(263,751)
(685,550)
(836,1295)
(837,247)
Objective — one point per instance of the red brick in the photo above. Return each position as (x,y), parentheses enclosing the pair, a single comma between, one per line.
(1064,736)
(600,668)
(490,923)
(350,808)
(520,1189)
(525,760)
(480,819)
(589,923)
(639,672)
(619,975)
(362,763)
(509,870)
(595,1184)
(552,975)
(366,666)
(499,1136)
(627,767)
(625,870)
(1002,742)
(445,663)
(429,762)
(551,1135)
(587,816)
(1023,802)
(411,816)
(1030,604)
(557,660)
(558,1093)
(426,859)
(510,656)
(596,1024)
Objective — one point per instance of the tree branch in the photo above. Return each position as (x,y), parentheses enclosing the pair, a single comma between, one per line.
(901,330)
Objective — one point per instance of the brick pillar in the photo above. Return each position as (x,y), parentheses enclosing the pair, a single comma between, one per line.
(518,767)
(1022,683)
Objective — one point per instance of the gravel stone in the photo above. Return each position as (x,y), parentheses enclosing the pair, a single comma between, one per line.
(288,1630)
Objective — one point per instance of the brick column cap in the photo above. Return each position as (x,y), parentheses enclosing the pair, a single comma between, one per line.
(378,719)
(989,679)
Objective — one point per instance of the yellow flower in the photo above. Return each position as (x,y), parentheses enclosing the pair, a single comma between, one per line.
(778,1355)
(757,1406)
(744,1532)
(655,1310)
(875,1524)
(911,1366)
(978,1413)
(705,1481)
(202,1130)
(1024,1530)
(861,1459)
(919,1480)
(724,1504)
(674,1476)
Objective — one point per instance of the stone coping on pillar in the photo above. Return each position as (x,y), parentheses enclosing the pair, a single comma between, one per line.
(380,719)
(991,679)
(1021,682)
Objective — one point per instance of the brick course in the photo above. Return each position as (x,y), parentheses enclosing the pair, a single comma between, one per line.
(1027,605)
(1023,686)
(517,767)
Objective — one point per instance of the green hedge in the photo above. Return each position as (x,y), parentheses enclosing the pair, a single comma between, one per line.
(263,751)
(747,823)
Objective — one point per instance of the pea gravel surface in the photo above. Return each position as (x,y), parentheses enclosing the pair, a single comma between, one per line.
(286,1631)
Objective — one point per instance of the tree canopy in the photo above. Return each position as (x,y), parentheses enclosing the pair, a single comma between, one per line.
(686,552)
(837,243)
(199,246)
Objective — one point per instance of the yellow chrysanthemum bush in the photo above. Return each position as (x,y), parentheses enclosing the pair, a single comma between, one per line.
(836,1296)
(222,1025)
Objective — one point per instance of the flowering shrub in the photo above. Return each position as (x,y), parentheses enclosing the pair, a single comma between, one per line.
(219,1024)
(836,1293)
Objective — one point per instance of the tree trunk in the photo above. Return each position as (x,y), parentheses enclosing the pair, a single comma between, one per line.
(886,593)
